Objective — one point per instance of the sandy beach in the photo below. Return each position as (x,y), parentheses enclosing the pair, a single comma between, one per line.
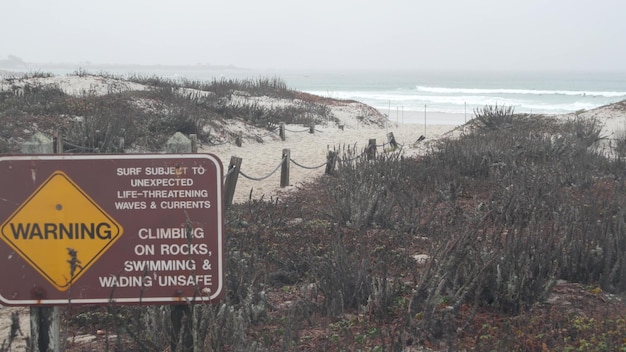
(310,150)
(428,117)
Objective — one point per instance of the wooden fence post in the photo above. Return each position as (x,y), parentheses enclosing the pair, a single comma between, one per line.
(284,171)
(182,324)
(371,149)
(231,180)
(238,140)
(281,131)
(57,140)
(391,140)
(194,143)
(45,322)
(331,160)
(181,338)
(45,329)
(312,128)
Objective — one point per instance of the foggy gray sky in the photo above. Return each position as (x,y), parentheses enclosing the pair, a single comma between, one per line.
(394,34)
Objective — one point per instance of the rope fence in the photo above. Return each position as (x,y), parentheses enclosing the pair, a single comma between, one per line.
(309,167)
(288,130)
(331,160)
(182,144)
(263,177)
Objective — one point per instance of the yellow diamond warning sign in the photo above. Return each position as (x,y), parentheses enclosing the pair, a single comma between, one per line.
(60,231)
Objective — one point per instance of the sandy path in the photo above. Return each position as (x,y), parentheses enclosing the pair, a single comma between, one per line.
(310,150)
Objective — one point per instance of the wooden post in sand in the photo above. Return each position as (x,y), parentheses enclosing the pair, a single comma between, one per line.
(231,180)
(45,329)
(281,131)
(371,149)
(331,161)
(57,142)
(181,338)
(194,143)
(45,322)
(180,314)
(238,140)
(391,140)
(284,170)
(312,128)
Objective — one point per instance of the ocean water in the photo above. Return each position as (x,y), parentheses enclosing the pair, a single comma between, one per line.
(409,96)
(414,93)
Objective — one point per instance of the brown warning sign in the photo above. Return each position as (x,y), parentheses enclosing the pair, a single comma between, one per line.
(143,228)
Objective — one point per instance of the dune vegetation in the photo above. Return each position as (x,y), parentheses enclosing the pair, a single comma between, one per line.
(511,237)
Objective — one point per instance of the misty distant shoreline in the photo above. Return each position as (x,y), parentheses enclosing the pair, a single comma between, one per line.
(21,66)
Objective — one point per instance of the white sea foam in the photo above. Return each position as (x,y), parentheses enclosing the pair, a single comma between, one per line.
(453,100)
(444,90)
